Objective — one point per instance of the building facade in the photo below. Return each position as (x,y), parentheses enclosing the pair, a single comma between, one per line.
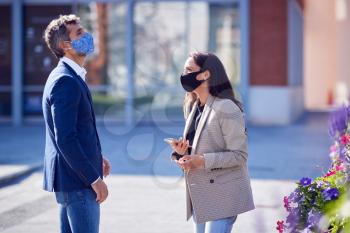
(141,46)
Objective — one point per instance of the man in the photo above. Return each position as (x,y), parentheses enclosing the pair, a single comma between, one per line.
(74,166)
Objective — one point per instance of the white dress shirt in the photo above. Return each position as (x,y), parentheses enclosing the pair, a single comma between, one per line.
(81,72)
(76,67)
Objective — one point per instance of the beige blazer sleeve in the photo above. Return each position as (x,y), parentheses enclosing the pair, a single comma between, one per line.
(233,132)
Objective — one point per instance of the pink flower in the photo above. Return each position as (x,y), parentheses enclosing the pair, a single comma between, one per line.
(334,171)
(286,203)
(345,139)
(339,167)
(280,226)
(330,173)
(333,148)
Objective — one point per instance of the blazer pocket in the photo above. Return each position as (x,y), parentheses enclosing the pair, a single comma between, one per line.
(229,176)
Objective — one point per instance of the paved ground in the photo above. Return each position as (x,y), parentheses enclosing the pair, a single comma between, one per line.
(8,173)
(142,204)
(146,188)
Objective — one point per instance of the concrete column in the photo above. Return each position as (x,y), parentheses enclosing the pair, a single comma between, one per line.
(17,62)
(129,106)
(244,37)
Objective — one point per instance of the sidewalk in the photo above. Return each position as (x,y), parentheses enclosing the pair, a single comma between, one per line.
(8,173)
(146,194)
(136,204)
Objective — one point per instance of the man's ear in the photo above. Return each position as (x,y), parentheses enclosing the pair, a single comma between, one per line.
(64,45)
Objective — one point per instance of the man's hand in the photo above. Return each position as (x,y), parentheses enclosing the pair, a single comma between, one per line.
(106,167)
(101,190)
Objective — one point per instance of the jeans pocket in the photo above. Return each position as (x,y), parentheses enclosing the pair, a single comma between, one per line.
(76,196)
(80,195)
(60,198)
(86,195)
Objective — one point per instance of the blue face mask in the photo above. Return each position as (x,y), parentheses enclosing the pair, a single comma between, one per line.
(84,45)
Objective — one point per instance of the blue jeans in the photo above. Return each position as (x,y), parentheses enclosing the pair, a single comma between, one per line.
(79,211)
(218,226)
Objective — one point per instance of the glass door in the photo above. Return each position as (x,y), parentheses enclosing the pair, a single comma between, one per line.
(165,33)
(38,60)
(5,61)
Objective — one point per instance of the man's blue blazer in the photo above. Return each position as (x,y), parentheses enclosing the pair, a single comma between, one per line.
(73,158)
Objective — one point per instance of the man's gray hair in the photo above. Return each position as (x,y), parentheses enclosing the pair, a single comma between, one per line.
(57,31)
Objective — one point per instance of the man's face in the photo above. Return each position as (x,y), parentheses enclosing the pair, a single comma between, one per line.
(75,32)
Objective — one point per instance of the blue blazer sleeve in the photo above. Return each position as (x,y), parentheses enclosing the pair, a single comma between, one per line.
(65,97)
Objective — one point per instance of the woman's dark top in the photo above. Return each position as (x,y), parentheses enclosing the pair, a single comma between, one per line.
(191,131)
(193,127)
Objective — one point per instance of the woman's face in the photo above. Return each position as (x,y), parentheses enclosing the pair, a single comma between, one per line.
(190,66)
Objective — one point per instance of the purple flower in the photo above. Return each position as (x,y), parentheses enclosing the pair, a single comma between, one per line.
(342,152)
(330,194)
(338,120)
(305,181)
(322,185)
(293,218)
(313,219)
(295,196)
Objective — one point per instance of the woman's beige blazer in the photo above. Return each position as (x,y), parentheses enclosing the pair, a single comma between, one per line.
(222,189)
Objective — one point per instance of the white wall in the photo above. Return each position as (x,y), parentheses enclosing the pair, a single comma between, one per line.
(319,52)
(273,105)
(343,50)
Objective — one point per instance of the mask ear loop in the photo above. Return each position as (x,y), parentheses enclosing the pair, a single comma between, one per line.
(68,42)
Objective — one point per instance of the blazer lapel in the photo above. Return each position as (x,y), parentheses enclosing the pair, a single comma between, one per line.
(189,119)
(89,97)
(82,82)
(204,117)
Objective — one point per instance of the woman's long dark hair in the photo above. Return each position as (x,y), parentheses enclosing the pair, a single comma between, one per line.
(219,83)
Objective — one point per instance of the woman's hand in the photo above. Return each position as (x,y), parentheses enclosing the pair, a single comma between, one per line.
(189,162)
(180,146)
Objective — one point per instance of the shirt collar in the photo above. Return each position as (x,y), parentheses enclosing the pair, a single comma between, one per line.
(77,68)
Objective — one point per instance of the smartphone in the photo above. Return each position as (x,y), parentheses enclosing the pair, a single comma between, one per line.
(169,140)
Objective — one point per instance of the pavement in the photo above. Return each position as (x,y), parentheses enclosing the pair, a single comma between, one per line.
(9,173)
(146,188)
(136,204)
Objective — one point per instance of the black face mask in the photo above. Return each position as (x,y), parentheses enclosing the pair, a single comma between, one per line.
(189,81)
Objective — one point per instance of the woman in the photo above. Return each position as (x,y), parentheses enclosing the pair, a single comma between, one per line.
(213,151)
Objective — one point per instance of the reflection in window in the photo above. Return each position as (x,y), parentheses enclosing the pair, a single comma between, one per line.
(38,60)
(5,61)
(166,32)
(107,67)
(225,37)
